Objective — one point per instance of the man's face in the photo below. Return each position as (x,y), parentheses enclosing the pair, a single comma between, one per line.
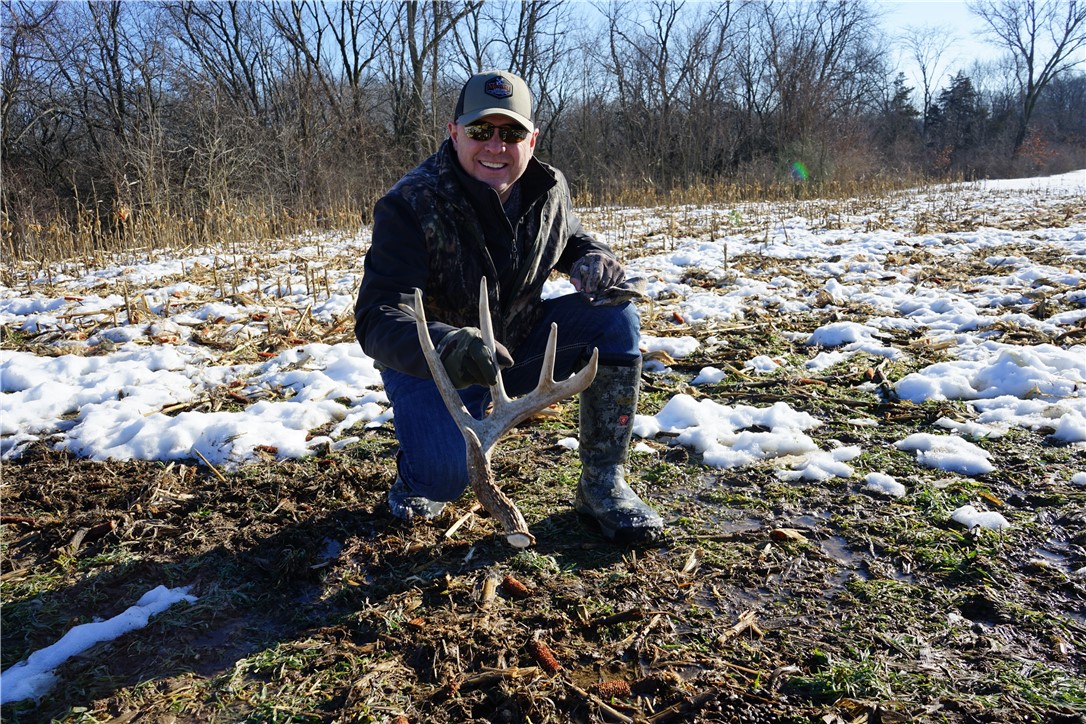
(495,162)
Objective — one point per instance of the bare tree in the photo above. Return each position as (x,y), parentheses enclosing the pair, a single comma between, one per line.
(229,41)
(420,28)
(103,87)
(25,70)
(668,64)
(355,36)
(1043,36)
(27,113)
(821,70)
(1063,104)
(928,46)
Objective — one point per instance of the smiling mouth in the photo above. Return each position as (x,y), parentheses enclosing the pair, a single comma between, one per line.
(492,164)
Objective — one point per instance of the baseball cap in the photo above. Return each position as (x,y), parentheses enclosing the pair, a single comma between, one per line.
(495,92)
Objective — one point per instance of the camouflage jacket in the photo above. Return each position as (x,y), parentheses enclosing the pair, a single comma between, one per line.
(440,230)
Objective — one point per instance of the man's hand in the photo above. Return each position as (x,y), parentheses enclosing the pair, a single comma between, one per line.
(468,361)
(594,272)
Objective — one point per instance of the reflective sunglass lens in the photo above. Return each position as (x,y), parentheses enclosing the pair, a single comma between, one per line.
(483,132)
(512,135)
(479,132)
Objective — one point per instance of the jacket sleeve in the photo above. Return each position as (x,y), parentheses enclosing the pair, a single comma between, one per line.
(397,262)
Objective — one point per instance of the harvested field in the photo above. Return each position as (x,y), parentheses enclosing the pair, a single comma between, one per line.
(795,585)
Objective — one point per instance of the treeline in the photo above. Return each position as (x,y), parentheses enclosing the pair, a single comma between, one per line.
(195,115)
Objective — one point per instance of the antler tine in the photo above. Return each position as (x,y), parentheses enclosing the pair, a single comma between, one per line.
(574,383)
(486,326)
(445,386)
(507,413)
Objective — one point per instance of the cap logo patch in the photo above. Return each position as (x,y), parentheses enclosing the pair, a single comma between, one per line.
(498,87)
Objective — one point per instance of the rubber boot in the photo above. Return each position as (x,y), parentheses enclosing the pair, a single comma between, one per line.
(606,421)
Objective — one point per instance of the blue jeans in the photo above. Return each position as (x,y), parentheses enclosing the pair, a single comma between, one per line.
(432,459)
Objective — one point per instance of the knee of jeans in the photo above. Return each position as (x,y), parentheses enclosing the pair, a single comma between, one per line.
(439,480)
(630,321)
(622,334)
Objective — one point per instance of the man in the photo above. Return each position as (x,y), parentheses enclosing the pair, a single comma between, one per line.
(483,206)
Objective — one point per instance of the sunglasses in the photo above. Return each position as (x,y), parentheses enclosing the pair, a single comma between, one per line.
(484,131)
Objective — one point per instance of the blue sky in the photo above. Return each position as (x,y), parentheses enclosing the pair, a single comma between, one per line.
(970,43)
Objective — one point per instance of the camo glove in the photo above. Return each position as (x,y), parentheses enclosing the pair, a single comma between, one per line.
(594,272)
(468,361)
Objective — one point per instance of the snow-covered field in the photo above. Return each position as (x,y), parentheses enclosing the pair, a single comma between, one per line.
(136,359)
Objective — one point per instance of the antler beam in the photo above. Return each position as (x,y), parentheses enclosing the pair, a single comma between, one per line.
(480,436)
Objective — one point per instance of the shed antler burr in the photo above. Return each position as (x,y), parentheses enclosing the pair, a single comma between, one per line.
(480,436)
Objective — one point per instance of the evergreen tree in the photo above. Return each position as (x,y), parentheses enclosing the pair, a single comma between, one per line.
(957,125)
(898,121)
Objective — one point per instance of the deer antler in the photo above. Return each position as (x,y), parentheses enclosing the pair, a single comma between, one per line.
(480,436)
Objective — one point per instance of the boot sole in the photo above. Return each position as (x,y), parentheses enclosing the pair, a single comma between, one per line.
(624,536)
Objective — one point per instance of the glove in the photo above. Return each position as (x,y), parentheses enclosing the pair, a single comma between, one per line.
(594,272)
(468,361)
(630,289)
